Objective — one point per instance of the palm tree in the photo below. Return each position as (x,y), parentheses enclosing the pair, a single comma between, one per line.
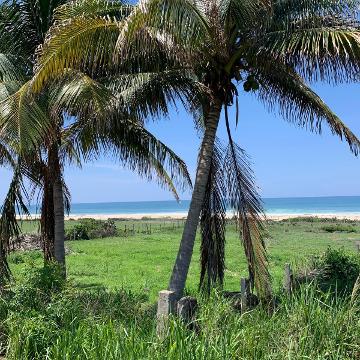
(54,127)
(271,48)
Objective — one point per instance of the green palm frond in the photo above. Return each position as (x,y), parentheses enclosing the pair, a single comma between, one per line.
(6,155)
(237,15)
(286,11)
(282,86)
(92,9)
(26,23)
(78,94)
(22,119)
(9,68)
(320,39)
(84,36)
(82,43)
(8,88)
(184,20)
(151,94)
(213,225)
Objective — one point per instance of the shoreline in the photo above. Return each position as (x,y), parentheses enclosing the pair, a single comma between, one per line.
(182,216)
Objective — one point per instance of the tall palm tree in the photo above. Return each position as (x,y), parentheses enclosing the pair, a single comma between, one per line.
(55,126)
(272,48)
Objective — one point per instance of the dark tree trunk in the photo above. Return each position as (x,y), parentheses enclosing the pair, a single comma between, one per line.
(59,240)
(58,207)
(182,263)
(5,273)
(47,220)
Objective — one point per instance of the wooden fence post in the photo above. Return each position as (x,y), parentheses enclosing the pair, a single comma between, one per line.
(357,245)
(244,294)
(288,279)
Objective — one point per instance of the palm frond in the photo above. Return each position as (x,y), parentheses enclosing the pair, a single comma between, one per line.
(13,204)
(8,88)
(282,86)
(244,200)
(213,225)
(286,11)
(114,9)
(81,43)
(7,155)
(22,119)
(150,94)
(26,23)
(9,68)
(184,20)
(320,39)
(239,15)
(129,143)
(78,95)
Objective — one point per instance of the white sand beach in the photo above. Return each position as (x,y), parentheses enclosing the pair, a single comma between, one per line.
(182,215)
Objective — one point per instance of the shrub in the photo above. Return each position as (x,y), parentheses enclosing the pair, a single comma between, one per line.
(338,228)
(334,270)
(78,232)
(91,229)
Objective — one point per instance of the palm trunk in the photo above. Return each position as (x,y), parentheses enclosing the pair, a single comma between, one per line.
(5,272)
(183,259)
(59,228)
(47,219)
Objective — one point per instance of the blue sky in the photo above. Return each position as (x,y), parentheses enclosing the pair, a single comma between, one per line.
(287,161)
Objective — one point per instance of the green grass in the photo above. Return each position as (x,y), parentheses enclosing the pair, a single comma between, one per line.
(143,262)
(107,310)
(101,325)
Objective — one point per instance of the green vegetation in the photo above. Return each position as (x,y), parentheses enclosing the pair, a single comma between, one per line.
(339,228)
(141,262)
(209,52)
(79,79)
(107,308)
(90,229)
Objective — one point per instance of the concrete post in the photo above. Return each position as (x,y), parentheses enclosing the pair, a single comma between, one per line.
(166,306)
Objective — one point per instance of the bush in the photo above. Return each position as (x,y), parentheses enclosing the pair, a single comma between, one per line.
(334,270)
(78,232)
(91,229)
(338,228)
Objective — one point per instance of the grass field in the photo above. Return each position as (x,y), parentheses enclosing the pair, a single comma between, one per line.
(108,312)
(142,262)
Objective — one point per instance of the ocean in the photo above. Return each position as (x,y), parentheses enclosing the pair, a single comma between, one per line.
(294,205)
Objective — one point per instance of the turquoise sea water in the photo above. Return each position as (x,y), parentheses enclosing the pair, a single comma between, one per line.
(300,205)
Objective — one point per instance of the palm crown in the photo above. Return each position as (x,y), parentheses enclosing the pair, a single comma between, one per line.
(73,119)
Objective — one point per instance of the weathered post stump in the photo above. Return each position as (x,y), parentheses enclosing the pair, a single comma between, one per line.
(166,307)
(288,279)
(244,290)
(357,245)
(186,309)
